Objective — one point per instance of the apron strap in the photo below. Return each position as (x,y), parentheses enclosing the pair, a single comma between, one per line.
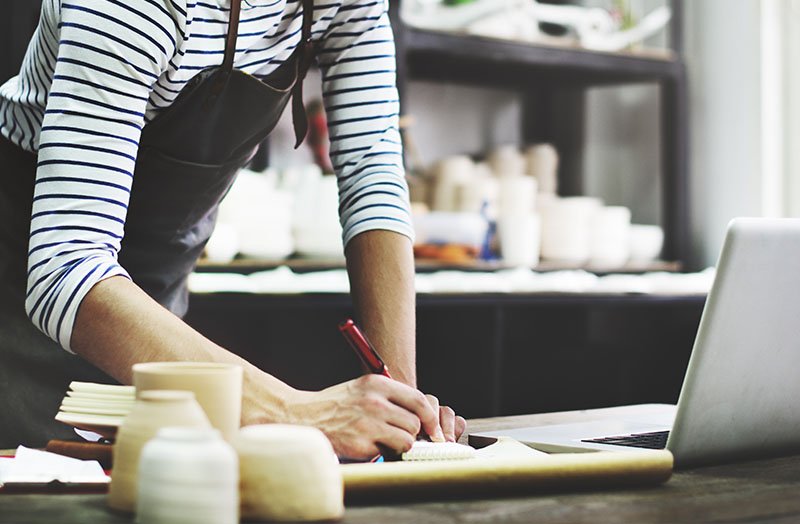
(306,57)
(227,63)
(230,41)
(306,49)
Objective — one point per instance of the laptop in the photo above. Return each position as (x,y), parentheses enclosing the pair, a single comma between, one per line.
(741,394)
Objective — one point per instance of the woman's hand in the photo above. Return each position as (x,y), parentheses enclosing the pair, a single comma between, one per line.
(452,425)
(366,416)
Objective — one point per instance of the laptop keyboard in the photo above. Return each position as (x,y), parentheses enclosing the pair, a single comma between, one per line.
(654,440)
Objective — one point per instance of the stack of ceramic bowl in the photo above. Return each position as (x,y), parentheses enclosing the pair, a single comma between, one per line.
(96,407)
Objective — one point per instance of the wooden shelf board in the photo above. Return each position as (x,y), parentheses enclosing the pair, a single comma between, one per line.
(435,55)
(305,265)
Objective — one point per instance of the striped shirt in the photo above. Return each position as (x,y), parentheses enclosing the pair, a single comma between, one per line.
(97,70)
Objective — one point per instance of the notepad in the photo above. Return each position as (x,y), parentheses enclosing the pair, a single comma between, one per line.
(423,450)
(505,467)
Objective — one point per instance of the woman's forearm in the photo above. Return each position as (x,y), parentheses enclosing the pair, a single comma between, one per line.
(118,325)
(380,265)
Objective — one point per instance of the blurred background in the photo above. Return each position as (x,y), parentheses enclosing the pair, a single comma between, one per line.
(572,165)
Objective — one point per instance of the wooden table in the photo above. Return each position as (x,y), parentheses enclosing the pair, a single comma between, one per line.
(756,491)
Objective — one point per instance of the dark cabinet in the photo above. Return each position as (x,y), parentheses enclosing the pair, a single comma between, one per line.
(483,354)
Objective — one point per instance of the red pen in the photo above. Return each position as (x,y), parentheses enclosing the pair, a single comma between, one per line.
(369,357)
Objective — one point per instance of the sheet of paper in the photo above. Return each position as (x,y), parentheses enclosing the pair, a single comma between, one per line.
(34,466)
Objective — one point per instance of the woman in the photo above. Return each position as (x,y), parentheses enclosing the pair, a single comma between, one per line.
(119,137)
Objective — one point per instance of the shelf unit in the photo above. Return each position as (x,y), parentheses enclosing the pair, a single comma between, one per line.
(552,83)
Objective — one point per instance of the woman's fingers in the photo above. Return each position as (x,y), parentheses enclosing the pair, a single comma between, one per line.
(416,402)
(460,426)
(362,416)
(447,419)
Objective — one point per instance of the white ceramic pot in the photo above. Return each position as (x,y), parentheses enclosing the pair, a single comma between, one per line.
(566,229)
(517,194)
(610,236)
(542,163)
(646,242)
(449,176)
(188,476)
(520,237)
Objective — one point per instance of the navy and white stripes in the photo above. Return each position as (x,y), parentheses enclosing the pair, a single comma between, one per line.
(97,71)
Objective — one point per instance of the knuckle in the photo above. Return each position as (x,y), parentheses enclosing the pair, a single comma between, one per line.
(371,403)
(407,442)
(416,425)
(364,449)
(372,381)
(420,400)
(363,380)
(447,410)
(362,427)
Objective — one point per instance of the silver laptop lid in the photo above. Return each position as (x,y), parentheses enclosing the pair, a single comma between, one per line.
(741,394)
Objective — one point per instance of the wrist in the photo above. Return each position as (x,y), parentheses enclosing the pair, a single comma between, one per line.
(265,399)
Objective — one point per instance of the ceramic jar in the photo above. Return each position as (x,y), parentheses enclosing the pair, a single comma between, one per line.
(216,386)
(566,228)
(188,476)
(151,411)
(520,238)
(610,236)
(542,163)
(288,473)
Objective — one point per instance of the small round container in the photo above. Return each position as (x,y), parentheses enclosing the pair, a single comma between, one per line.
(288,473)
(188,476)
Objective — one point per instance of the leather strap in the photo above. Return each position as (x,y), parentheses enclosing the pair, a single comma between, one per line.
(304,61)
(227,63)
(233,31)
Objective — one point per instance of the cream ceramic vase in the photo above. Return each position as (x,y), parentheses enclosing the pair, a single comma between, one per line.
(288,473)
(152,411)
(188,476)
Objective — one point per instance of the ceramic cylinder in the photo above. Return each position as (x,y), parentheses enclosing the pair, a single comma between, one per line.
(520,239)
(217,388)
(517,194)
(188,476)
(610,236)
(288,473)
(449,176)
(151,411)
(566,229)
(507,161)
(542,163)
(646,242)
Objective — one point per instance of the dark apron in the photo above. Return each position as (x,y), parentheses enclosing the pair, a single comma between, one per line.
(188,158)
